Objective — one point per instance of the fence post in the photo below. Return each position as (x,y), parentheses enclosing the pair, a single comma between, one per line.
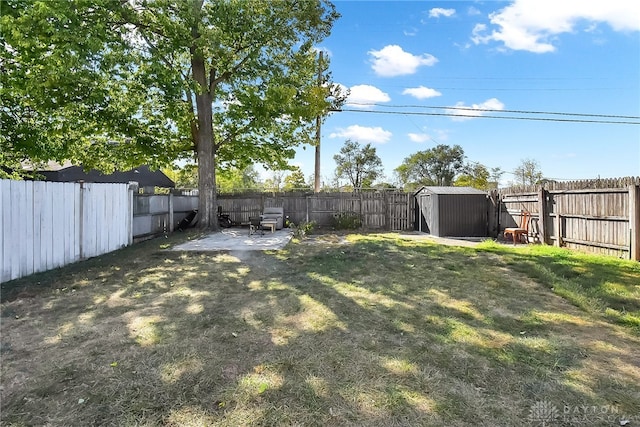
(387,213)
(81,222)
(558,223)
(171,212)
(133,187)
(410,212)
(362,216)
(634,222)
(307,202)
(543,215)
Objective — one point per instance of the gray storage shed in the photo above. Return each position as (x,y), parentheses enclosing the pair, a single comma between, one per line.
(451,211)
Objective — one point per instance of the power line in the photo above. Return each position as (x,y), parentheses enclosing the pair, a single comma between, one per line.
(503,78)
(502,111)
(547,89)
(470,116)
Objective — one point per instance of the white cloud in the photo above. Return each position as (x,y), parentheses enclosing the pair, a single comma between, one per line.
(367,95)
(421,92)
(464,112)
(472,11)
(326,50)
(363,134)
(419,137)
(392,61)
(437,12)
(532,25)
(411,32)
(427,134)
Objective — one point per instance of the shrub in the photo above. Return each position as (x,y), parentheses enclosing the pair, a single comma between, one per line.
(304,228)
(347,221)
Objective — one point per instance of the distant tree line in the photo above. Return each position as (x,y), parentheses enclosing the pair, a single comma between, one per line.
(442,165)
(359,167)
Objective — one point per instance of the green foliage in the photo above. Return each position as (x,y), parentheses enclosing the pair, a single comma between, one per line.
(227,181)
(274,181)
(474,175)
(110,84)
(435,166)
(295,181)
(237,180)
(70,90)
(303,229)
(384,186)
(528,172)
(494,176)
(347,221)
(603,285)
(359,165)
(185,177)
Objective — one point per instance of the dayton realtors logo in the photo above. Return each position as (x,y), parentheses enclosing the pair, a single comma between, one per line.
(545,414)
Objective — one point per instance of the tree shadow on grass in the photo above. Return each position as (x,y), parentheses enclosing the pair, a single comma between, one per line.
(371,333)
(536,345)
(597,284)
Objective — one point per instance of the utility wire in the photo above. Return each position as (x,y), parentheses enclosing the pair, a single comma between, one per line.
(502,111)
(542,89)
(470,116)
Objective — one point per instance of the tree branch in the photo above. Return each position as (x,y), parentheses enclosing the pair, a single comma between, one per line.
(235,133)
(131,16)
(224,76)
(193,124)
(156,51)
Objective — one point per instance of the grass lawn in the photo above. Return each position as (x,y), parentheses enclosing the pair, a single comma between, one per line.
(375,330)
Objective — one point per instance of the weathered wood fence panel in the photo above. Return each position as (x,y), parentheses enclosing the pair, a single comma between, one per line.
(401,210)
(46,225)
(155,214)
(593,219)
(601,216)
(378,210)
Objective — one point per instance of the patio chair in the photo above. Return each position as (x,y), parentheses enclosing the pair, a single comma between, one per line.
(255,226)
(517,233)
(274,213)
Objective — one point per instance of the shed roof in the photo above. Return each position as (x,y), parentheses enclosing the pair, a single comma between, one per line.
(450,190)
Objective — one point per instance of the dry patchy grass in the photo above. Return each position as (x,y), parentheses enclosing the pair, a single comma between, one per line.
(356,330)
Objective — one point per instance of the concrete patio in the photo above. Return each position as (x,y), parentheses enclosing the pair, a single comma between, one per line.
(238,239)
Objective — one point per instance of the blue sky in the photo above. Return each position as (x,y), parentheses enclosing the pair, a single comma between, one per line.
(560,56)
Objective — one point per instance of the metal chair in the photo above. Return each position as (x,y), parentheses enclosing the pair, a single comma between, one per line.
(255,226)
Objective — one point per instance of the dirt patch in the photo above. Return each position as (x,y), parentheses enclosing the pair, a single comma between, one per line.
(327,238)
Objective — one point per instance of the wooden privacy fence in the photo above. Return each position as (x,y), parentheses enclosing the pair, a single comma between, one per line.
(50,224)
(154,214)
(378,210)
(601,216)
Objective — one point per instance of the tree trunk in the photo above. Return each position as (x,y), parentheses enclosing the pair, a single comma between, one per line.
(207,201)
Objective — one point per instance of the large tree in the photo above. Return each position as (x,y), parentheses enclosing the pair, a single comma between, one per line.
(359,165)
(274,181)
(474,175)
(232,180)
(436,166)
(494,177)
(109,83)
(295,181)
(528,172)
(67,92)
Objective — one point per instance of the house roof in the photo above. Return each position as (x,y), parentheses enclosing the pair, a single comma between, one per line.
(144,176)
(450,190)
